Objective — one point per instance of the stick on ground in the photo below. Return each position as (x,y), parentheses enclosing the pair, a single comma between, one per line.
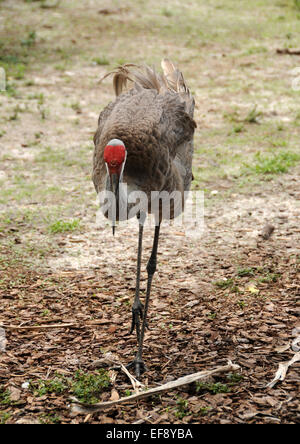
(79,407)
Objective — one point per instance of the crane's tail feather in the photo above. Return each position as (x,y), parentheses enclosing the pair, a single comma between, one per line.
(146,77)
(121,77)
(174,77)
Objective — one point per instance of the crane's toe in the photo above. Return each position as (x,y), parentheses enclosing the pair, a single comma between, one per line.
(139,367)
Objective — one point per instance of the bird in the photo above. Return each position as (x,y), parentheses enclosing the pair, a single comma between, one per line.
(144,143)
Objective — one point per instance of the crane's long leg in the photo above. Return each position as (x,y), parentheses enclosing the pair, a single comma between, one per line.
(137,307)
(151,268)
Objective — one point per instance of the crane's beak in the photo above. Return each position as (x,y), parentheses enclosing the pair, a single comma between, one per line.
(114,185)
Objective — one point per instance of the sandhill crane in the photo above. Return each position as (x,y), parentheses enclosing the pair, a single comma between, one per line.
(145,140)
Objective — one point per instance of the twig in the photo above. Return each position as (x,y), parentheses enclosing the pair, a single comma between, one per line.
(45,327)
(288,51)
(85,408)
(137,385)
(38,327)
(282,370)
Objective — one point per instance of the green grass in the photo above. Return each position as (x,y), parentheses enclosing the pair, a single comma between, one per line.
(235,122)
(182,408)
(214,388)
(4,396)
(4,417)
(57,385)
(86,387)
(276,163)
(101,61)
(61,226)
(48,418)
(248,271)
(226,283)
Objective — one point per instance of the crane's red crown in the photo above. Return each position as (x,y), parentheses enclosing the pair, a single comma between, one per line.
(114,156)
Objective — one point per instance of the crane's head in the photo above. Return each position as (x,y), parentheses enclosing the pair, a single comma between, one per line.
(115,157)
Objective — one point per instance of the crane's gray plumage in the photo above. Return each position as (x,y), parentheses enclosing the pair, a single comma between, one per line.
(154,121)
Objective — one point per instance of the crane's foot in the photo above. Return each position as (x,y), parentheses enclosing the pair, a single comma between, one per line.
(137,316)
(139,367)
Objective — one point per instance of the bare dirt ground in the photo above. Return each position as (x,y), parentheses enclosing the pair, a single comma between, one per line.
(224,294)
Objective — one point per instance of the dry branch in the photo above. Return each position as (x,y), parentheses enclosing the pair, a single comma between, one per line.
(49,326)
(38,327)
(79,407)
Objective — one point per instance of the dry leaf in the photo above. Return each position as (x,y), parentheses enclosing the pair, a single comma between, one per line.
(114,395)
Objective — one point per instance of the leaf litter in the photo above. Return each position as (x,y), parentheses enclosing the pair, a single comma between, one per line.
(63,320)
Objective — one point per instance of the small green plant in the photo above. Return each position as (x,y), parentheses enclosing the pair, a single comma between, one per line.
(76,107)
(182,408)
(204,410)
(167,12)
(61,226)
(239,128)
(217,387)
(29,40)
(45,313)
(253,115)
(4,396)
(212,315)
(4,417)
(242,272)
(49,419)
(87,387)
(269,277)
(15,114)
(57,385)
(101,61)
(226,283)
(234,378)
(11,90)
(241,304)
(37,96)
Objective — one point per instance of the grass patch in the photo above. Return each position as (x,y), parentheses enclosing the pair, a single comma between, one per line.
(277,163)
(101,61)
(257,274)
(4,396)
(248,271)
(269,278)
(213,388)
(4,417)
(58,385)
(225,283)
(61,226)
(251,117)
(86,387)
(182,408)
